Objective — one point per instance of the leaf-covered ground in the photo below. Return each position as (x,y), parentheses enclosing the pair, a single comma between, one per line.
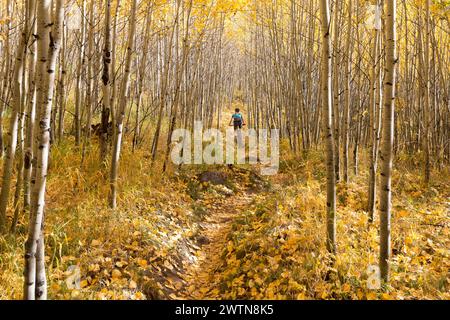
(232,235)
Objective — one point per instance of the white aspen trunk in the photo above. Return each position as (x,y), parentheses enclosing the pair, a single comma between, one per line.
(90,100)
(373,136)
(388,141)
(80,67)
(29,15)
(328,126)
(31,115)
(62,86)
(427,84)
(13,127)
(6,84)
(121,114)
(336,92)
(348,76)
(49,36)
(142,75)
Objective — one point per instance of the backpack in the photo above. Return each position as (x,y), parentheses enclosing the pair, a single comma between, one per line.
(237,118)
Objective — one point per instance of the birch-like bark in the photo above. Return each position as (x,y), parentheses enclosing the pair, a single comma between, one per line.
(373,132)
(388,140)
(49,36)
(30,114)
(141,75)
(121,114)
(80,68)
(114,71)
(7,66)
(62,87)
(427,84)
(13,126)
(328,126)
(90,96)
(348,76)
(336,118)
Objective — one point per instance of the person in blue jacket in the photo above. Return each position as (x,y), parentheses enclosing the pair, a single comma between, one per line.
(237,120)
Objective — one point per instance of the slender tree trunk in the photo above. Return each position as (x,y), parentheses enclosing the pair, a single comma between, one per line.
(62,88)
(121,115)
(328,126)
(388,140)
(106,80)
(31,115)
(6,82)
(13,127)
(114,71)
(80,68)
(141,75)
(427,84)
(348,76)
(335,90)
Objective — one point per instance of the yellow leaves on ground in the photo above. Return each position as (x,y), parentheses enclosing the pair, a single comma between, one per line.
(116,274)
(277,248)
(142,263)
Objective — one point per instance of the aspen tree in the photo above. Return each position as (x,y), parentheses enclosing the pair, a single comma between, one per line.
(141,75)
(106,80)
(336,89)
(62,85)
(13,126)
(113,69)
(79,76)
(328,126)
(31,114)
(348,76)
(90,96)
(386,156)
(123,99)
(427,84)
(5,79)
(49,37)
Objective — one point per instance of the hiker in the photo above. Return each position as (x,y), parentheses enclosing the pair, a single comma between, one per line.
(237,120)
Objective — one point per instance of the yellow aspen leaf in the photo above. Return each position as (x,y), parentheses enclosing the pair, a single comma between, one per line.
(132,285)
(301,296)
(95,243)
(402,213)
(116,274)
(386,296)
(94,267)
(360,294)
(371,296)
(408,240)
(143,263)
(138,295)
(346,288)
(230,246)
(84,284)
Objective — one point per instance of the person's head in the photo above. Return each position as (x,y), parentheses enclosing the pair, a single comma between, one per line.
(237,110)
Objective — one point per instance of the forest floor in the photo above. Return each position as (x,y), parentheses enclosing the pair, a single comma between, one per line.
(202,277)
